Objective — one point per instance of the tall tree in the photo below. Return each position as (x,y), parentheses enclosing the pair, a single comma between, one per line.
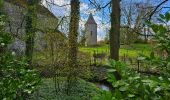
(30,29)
(73,32)
(115,30)
(73,37)
(115,33)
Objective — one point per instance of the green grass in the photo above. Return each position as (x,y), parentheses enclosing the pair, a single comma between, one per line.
(131,51)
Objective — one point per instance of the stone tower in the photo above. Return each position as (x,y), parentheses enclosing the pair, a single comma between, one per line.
(91,31)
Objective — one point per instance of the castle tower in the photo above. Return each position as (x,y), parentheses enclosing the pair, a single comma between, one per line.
(91,31)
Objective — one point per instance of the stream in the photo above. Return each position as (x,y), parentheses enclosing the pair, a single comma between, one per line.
(103,86)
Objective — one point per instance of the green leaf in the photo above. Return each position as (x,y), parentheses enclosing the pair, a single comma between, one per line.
(158,88)
(162,16)
(160,20)
(155,28)
(118,95)
(123,88)
(167,16)
(119,83)
(111,70)
(131,95)
(152,55)
(106,95)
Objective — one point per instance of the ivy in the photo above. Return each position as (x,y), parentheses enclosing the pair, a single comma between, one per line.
(16,80)
(30,29)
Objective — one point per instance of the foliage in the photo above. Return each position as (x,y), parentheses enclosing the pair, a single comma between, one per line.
(16,81)
(127,36)
(136,86)
(30,29)
(5,38)
(106,95)
(139,87)
(82,90)
(162,35)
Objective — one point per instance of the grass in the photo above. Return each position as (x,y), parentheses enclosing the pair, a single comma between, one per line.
(132,50)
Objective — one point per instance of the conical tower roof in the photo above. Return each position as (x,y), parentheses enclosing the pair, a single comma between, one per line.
(91,20)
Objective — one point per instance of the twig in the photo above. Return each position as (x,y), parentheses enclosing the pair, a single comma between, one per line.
(152,13)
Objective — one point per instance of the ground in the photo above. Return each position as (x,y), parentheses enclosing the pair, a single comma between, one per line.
(81,90)
(85,89)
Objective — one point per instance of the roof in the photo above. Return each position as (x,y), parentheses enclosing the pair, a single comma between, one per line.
(40,9)
(91,20)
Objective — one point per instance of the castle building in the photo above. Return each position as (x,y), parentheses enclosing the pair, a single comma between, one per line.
(91,31)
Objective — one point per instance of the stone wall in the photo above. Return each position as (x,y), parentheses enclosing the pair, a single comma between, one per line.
(16,26)
(91,34)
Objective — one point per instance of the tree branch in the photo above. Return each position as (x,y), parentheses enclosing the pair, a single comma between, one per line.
(98,6)
(152,13)
(48,2)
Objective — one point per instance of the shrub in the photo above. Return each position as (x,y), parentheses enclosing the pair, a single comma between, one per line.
(16,80)
(134,85)
(139,87)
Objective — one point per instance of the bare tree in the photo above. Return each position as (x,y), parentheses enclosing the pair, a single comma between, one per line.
(133,16)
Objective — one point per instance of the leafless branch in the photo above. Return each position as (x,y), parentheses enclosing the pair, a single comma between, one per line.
(60,22)
(52,3)
(152,13)
(98,6)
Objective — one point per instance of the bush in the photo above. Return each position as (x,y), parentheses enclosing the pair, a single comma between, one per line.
(16,80)
(134,86)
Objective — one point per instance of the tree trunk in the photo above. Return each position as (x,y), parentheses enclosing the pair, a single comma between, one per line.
(74,25)
(30,30)
(1,27)
(73,36)
(115,30)
(1,6)
(115,34)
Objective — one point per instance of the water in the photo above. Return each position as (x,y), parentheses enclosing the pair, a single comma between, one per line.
(103,86)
